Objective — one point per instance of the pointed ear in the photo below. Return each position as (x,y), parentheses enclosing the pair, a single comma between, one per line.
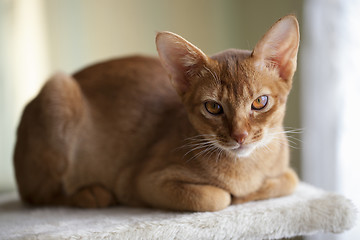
(180,58)
(279,46)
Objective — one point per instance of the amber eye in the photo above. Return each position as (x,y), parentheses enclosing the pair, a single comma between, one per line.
(213,108)
(259,103)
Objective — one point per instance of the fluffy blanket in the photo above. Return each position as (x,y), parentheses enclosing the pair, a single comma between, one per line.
(309,210)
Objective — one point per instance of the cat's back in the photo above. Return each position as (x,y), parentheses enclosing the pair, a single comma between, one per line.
(126,99)
(128,89)
(136,77)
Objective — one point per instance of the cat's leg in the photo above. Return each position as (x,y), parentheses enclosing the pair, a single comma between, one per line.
(282,185)
(176,189)
(45,140)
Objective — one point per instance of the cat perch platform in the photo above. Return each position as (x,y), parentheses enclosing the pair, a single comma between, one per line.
(308,211)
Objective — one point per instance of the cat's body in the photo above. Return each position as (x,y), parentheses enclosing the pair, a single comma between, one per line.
(118,133)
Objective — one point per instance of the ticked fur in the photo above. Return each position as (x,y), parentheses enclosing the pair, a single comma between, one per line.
(118,132)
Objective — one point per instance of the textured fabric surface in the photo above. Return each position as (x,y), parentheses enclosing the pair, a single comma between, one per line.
(309,210)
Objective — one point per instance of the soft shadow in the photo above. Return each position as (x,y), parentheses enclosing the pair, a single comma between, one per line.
(11,205)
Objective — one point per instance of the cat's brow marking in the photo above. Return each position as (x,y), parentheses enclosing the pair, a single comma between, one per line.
(215,76)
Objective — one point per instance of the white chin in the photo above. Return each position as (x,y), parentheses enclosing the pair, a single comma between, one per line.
(244,151)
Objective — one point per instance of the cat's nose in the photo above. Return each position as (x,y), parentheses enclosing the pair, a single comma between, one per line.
(240,137)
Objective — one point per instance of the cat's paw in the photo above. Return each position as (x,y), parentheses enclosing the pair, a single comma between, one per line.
(213,199)
(93,196)
(282,185)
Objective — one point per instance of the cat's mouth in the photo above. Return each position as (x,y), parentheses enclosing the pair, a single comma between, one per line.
(241,150)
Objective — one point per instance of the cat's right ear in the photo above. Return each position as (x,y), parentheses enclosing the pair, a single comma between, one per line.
(181,59)
(279,47)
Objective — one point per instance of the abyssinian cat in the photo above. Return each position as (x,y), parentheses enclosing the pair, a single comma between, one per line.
(183,132)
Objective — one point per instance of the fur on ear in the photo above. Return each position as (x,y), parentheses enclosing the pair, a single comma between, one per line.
(180,58)
(278,48)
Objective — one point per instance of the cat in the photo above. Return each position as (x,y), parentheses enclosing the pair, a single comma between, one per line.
(184,131)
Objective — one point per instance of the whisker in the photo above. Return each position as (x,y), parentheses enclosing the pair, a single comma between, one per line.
(217,149)
(284,132)
(194,144)
(290,139)
(267,148)
(198,147)
(291,130)
(197,141)
(286,143)
(295,139)
(197,155)
(206,144)
(209,146)
(200,136)
(219,154)
(211,150)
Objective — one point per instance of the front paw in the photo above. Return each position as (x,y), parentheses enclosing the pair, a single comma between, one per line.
(274,187)
(93,196)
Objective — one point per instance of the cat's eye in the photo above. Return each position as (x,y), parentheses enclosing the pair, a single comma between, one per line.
(213,108)
(259,103)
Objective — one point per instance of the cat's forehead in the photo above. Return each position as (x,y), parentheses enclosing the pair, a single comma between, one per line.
(239,78)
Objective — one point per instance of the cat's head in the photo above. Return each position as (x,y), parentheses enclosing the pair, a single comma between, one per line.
(235,99)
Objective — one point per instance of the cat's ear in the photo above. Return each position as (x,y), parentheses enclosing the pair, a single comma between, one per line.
(279,46)
(181,59)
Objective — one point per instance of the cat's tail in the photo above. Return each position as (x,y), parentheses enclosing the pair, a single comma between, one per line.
(45,139)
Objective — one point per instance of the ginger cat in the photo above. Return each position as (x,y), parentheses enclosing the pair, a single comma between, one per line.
(184,132)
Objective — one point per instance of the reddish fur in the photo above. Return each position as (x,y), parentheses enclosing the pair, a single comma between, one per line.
(112,134)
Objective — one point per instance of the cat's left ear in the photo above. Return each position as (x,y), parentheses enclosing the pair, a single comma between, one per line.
(180,58)
(279,47)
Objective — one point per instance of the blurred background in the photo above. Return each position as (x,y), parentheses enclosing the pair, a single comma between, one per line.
(40,37)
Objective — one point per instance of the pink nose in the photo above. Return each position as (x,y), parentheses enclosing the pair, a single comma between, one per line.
(240,137)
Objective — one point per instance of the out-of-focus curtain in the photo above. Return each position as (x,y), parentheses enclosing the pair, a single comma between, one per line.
(23,67)
(331,99)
